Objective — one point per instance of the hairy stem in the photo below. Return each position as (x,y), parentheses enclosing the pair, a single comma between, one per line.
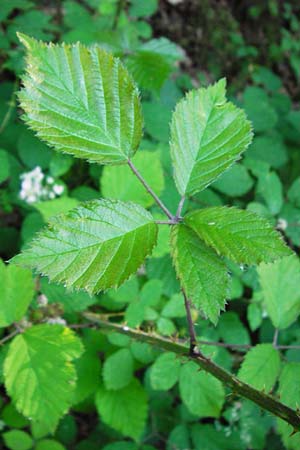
(150,191)
(238,387)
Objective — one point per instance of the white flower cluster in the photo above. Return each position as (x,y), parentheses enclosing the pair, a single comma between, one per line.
(36,186)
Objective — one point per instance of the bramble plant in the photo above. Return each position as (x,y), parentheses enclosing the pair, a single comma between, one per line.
(82,101)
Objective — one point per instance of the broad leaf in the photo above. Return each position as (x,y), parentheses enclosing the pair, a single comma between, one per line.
(81,101)
(165,372)
(201,272)
(208,134)
(202,393)
(124,410)
(16,293)
(95,246)
(280,283)
(261,367)
(118,369)
(239,235)
(39,375)
(120,183)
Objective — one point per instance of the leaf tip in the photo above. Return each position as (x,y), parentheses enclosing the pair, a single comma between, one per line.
(26,40)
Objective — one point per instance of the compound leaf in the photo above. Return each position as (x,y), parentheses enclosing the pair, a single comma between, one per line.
(39,374)
(82,101)
(261,367)
(208,134)
(95,246)
(239,235)
(201,272)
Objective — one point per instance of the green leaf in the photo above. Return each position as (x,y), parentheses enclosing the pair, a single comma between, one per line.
(268,149)
(124,410)
(17,440)
(294,193)
(239,235)
(210,437)
(289,387)
(164,373)
(232,330)
(289,392)
(16,293)
(39,375)
(208,134)
(235,182)
(153,62)
(88,370)
(280,288)
(201,392)
(179,438)
(259,109)
(4,166)
(269,186)
(82,101)
(261,367)
(49,444)
(118,369)
(50,208)
(202,274)
(174,307)
(95,246)
(32,151)
(142,9)
(71,301)
(120,183)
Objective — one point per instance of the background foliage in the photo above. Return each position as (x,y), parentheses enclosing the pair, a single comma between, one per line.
(128,395)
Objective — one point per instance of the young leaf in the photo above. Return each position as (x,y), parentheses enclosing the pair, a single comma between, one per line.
(118,369)
(239,235)
(261,367)
(16,293)
(39,375)
(200,391)
(208,134)
(124,410)
(82,101)
(201,272)
(95,246)
(165,372)
(280,283)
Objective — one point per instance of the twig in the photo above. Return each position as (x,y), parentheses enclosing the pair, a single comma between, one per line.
(11,105)
(275,338)
(9,336)
(265,401)
(150,191)
(180,207)
(166,222)
(192,332)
